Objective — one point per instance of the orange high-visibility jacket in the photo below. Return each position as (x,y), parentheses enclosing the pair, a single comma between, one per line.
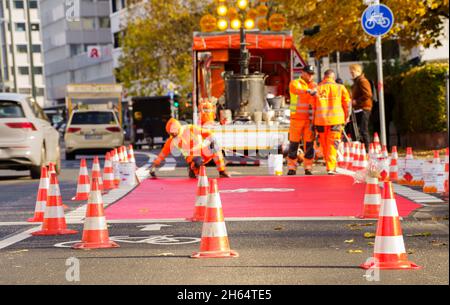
(300,99)
(189,141)
(331,105)
(207,111)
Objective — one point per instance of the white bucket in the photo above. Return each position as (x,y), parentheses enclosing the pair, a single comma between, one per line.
(275,163)
(127,174)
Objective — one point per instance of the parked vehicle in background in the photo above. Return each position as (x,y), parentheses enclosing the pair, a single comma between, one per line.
(90,131)
(27,139)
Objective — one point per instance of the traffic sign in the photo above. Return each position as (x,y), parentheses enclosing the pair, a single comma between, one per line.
(377,20)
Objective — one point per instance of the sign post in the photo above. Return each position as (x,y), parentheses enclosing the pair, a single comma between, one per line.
(377,20)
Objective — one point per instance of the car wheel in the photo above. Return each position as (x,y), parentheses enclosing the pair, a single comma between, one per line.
(70,156)
(35,171)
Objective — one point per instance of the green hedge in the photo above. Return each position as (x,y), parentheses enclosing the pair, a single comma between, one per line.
(420,99)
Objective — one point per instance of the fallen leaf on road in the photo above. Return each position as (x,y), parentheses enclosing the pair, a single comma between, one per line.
(369,224)
(165,254)
(350,241)
(278,228)
(369,235)
(424,234)
(371,243)
(18,251)
(411,251)
(436,243)
(354,251)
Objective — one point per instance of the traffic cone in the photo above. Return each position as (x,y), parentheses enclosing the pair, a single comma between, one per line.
(131,154)
(95,230)
(201,199)
(51,169)
(347,158)
(384,152)
(120,153)
(214,242)
(389,250)
(436,158)
(446,173)
(393,168)
(409,153)
(376,142)
(96,173)
(83,186)
(372,152)
(125,154)
(41,200)
(356,165)
(54,220)
(372,198)
(363,157)
(108,174)
(115,162)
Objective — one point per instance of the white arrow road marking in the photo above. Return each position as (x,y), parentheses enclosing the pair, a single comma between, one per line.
(260,190)
(153,227)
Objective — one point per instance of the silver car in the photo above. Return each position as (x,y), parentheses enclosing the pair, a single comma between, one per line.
(27,138)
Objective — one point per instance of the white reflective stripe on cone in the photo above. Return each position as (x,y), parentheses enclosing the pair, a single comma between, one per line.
(40,206)
(83,188)
(44,183)
(201,200)
(389,208)
(203,181)
(214,201)
(394,168)
(95,198)
(372,199)
(214,229)
(95,223)
(54,212)
(53,190)
(371,180)
(84,172)
(389,245)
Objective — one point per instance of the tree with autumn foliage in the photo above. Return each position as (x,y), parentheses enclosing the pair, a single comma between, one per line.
(156,46)
(416,23)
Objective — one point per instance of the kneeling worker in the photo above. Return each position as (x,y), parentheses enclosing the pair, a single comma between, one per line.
(197,145)
(302,92)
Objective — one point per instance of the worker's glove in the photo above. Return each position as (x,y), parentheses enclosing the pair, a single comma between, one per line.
(152,170)
(312,92)
(214,146)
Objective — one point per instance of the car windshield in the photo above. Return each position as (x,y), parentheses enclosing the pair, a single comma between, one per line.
(9,109)
(93,118)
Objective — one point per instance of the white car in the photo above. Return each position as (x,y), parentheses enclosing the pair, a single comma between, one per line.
(27,139)
(91,131)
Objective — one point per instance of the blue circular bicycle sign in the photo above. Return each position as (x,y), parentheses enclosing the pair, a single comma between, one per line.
(377,20)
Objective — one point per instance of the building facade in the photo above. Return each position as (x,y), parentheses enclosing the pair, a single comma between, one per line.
(21,59)
(72,30)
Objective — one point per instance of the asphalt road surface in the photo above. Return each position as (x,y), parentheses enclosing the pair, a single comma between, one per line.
(271,252)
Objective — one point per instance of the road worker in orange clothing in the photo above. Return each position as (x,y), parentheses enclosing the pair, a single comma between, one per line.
(331,109)
(197,145)
(302,92)
(207,111)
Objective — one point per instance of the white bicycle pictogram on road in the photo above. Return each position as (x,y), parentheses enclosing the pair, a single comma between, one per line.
(377,18)
(152,240)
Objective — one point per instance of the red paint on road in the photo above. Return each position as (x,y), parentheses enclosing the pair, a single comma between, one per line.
(314,196)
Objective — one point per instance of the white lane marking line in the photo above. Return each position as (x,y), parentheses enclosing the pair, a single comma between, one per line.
(18,237)
(153,227)
(17,223)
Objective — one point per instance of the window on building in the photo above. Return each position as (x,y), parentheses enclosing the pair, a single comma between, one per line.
(18,4)
(35,27)
(76,49)
(40,91)
(33,4)
(117,39)
(74,25)
(36,48)
(37,70)
(88,23)
(26,91)
(22,48)
(104,22)
(24,70)
(20,27)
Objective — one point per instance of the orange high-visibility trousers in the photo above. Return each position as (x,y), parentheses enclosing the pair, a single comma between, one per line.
(329,138)
(298,130)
